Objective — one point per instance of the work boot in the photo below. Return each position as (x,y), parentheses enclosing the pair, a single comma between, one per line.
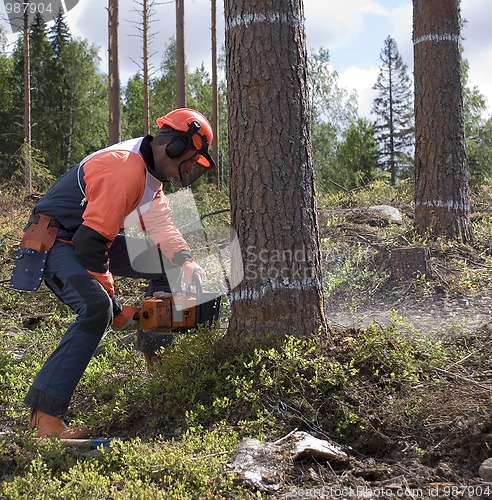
(48,425)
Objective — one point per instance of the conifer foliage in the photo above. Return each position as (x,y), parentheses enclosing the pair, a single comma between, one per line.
(68,98)
(393,108)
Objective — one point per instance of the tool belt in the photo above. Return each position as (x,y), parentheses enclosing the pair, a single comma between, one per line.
(41,232)
(30,258)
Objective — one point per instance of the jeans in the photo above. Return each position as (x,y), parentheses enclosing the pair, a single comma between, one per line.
(56,381)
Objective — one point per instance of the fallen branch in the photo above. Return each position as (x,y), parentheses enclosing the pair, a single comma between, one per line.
(465,379)
(215,212)
(282,439)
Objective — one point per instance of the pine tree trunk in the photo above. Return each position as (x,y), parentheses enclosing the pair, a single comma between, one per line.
(273,204)
(114,73)
(441,196)
(215,95)
(145,64)
(180,56)
(26,150)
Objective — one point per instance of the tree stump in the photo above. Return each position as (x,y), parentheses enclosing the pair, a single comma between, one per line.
(409,262)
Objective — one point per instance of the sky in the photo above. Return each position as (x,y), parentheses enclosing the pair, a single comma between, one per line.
(353,32)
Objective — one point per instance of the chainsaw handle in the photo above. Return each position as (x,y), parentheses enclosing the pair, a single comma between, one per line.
(197,282)
(196,279)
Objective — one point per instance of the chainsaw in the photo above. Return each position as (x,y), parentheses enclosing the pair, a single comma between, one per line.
(163,315)
(180,311)
(171,311)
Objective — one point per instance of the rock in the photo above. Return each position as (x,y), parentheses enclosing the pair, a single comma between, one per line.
(304,446)
(392,213)
(374,216)
(261,465)
(485,470)
(257,464)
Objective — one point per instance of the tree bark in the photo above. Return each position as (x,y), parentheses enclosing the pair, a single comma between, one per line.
(441,169)
(180,56)
(26,152)
(114,73)
(273,205)
(408,263)
(145,67)
(215,95)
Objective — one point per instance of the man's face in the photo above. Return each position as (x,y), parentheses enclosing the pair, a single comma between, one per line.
(170,167)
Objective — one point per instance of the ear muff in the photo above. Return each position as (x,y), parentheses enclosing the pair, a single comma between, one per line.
(178,146)
(181,144)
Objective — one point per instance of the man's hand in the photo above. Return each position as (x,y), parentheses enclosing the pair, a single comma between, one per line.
(105,279)
(124,320)
(117,307)
(190,267)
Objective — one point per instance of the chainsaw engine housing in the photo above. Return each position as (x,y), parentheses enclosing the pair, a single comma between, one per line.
(178,312)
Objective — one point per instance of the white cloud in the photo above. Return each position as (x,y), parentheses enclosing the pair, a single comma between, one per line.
(361,80)
(370,7)
(478,45)
(402,32)
(328,25)
(89,20)
(480,75)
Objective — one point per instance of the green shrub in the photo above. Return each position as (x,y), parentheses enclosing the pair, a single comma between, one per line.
(186,469)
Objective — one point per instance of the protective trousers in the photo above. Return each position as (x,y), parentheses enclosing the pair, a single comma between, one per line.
(56,381)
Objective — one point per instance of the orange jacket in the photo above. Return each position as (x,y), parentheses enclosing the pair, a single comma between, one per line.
(94,200)
(115,183)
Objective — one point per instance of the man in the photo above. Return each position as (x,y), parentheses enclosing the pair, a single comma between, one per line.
(72,242)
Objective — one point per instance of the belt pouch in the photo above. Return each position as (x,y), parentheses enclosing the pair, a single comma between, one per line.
(32,253)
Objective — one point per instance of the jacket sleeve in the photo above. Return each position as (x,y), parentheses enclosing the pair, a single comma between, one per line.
(91,249)
(157,221)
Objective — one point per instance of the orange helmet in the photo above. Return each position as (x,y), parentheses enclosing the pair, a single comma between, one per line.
(191,122)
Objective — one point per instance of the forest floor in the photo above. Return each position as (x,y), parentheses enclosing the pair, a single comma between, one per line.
(411,403)
(452,305)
